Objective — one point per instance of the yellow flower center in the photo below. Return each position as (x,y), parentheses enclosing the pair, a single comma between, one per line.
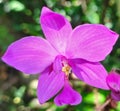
(66,69)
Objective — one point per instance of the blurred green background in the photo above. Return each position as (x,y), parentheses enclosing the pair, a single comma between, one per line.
(19,18)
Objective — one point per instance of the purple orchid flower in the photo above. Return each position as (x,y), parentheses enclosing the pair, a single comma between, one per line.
(63,52)
(113,81)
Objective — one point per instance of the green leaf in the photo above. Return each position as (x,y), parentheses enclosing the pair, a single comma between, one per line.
(16,6)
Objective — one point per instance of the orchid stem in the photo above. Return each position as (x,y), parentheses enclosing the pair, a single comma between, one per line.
(103,105)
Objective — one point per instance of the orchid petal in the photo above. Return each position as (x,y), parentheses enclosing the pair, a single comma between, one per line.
(93,74)
(30,54)
(49,85)
(56,28)
(92,42)
(68,96)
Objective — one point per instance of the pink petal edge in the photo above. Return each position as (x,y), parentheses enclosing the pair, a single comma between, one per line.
(30,54)
(56,29)
(93,74)
(92,42)
(49,85)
